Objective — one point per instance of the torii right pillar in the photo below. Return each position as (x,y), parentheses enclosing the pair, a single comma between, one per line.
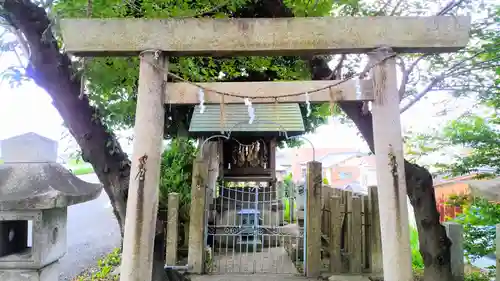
(394,226)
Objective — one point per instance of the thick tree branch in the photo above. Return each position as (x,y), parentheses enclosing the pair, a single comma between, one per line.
(437,79)
(406,75)
(449,7)
(455,68)
(395,9)
(382,10)
(404,80)
(422,93)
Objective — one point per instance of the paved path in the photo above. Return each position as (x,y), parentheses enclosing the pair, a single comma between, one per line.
(92,233)
(249,277)
(269,260)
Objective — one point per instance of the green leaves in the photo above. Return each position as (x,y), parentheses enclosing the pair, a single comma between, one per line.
(314,8)
(478,220)
(477,69)
(176,171)
(112,82)
(481,136)
(416,258)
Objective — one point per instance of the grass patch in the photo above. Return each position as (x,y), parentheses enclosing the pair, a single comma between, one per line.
(82,170)
(77,167)
(104,269)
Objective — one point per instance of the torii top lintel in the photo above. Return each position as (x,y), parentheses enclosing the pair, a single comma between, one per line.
(262,36)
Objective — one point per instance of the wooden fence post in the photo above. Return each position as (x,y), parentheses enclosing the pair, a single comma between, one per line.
(211,153)
(366,233)
(172,229)
(196,253)
(355,253)
(388,143)
(455,234)
(142,203)
(346,259)
(498,252)
(375,240)
(313,219)
(337,212)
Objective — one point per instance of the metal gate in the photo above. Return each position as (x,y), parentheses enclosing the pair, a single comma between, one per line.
(254,227)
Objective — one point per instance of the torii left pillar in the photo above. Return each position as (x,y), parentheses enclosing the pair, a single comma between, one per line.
(142,203)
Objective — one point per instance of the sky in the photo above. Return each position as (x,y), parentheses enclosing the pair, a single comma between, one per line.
(28,108)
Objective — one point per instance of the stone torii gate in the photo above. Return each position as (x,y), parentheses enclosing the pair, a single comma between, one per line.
(278,36)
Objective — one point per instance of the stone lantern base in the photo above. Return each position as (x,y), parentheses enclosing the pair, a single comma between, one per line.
(47,273)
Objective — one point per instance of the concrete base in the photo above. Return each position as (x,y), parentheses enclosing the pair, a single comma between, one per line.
(48,273)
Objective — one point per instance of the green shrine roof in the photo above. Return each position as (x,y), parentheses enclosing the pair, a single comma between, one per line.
(270,119)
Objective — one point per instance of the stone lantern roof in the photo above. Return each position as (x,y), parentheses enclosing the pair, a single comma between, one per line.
(36,186)
(31,179)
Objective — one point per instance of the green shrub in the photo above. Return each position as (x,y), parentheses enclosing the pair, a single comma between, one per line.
(478,219)
(478,276)
(288,209)
(104,270)
(176,173)
(418,262)
(416,258)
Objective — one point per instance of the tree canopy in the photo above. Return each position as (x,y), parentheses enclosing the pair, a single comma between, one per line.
(112,82)
(477,129)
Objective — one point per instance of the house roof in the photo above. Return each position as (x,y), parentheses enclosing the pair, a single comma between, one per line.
(487,189)
(356,187)
(443,179)
(333,159)
(270,119)
(281,168)
(303,155)
(365,160)
(341,157)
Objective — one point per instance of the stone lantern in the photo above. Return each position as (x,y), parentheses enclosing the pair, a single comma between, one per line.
(35,193)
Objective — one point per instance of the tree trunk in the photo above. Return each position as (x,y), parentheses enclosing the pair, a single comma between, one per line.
(52,71)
